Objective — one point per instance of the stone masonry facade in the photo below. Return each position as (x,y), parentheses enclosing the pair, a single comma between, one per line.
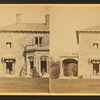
(23,47)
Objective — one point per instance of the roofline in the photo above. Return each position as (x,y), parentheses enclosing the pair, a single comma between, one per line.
(74,56)
(35,50)
(21,31)
(92,31)
(77,34)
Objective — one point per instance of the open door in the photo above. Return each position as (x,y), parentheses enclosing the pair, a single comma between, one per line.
(9,67)
(43,66)
(95,69)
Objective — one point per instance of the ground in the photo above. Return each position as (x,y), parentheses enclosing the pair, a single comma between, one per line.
(24,85)
(75,86)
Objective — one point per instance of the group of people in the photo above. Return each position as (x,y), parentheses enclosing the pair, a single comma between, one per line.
(36,74)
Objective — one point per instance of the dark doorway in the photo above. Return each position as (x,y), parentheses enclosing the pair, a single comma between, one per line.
(43,66)
(31,65)
(95,69)
(9,67)
(70,67)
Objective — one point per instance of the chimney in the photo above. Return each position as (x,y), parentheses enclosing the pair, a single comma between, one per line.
(18,17)
(47,19)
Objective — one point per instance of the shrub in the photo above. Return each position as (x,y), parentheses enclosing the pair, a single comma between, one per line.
(80,77)
(54,72)
(55,69)
(71,69)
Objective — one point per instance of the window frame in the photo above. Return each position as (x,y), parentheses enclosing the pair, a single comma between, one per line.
(9,43)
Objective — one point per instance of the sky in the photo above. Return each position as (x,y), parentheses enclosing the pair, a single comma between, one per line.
(29,14)
(64,21)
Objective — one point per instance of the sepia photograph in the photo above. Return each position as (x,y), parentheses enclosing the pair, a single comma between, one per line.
(24,49)
(50,49)
(75,49)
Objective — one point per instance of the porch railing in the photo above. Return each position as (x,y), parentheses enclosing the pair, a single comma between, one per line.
(36,47)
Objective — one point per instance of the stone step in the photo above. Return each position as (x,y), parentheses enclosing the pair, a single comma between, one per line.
(46,75)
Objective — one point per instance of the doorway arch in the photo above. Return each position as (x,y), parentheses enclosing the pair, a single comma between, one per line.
(70,67)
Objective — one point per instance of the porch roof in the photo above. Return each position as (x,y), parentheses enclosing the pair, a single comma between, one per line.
(94,58)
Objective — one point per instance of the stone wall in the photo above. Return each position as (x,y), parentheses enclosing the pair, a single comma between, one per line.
(18,41)
(87,51)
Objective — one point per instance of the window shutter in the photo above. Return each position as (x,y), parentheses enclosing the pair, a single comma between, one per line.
(43,41)
(33,40)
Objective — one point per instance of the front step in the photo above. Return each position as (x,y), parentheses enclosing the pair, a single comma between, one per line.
(46,75)
(9,75)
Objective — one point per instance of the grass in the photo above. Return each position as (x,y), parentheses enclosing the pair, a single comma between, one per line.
(24,85)
(75,86)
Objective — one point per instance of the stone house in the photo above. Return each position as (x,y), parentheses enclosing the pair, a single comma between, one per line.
(88,58)
(23,47)
(89,52)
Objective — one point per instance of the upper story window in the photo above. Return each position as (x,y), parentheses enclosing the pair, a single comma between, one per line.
(38,40)
(95,45)
(8,44)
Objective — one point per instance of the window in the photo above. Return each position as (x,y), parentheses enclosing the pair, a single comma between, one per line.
(38,40)
(8,67)
(8,44)
(31,66)
(43,60)
(31,60)
(95,45)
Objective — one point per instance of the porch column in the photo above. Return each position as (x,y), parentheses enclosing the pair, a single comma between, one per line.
(28,67)
(39,67)
(37,64)
(61,69)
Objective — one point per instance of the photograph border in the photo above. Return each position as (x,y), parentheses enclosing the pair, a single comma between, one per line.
(52,94)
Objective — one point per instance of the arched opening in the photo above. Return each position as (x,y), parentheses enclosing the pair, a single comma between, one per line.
(70,67)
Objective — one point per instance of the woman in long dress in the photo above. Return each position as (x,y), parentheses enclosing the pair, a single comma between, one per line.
(35,73)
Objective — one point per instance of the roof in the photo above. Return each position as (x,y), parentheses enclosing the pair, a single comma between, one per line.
(93,29)
(70,56)
(26,27)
